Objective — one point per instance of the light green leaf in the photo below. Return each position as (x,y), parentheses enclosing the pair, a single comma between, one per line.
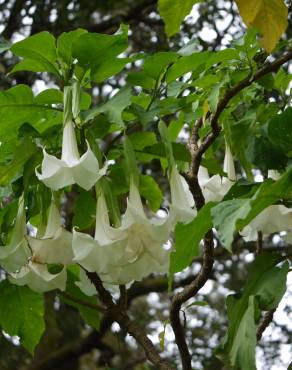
(174,12)
(21,314)
(140,140)
(150,190)
(39,53)
(112,108)
(188,237)
(268,16)
(49,96)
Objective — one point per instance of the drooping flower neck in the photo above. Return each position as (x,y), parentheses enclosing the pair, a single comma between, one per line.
(70,153)
(19,229)
(54,221)
(180,192)
(228,166)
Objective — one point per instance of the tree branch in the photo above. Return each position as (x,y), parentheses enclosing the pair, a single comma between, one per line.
(267,319)
(126,324)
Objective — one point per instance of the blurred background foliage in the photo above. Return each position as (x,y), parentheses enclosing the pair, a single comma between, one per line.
(68,344)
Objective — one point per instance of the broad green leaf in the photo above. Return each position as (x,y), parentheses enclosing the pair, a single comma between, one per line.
(232,215)
(157,64)
(92,49)
(113,108)
(187,64)
(18,106)
(268,16)
(21,314)
(188,237)
(280,131)
(24,150)
(84,210)
(38,53)
(49,96)
(174,12)
(264,289)
(141,79)
(140,140)
(106,69)
(150,190)
(65,42)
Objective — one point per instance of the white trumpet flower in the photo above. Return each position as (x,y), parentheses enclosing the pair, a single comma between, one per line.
(54,247)
(70,169)
(214,188)
(273,219)
(182,201)
(15,254)
(129,252)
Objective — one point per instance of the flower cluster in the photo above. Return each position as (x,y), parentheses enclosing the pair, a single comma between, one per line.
(120,254)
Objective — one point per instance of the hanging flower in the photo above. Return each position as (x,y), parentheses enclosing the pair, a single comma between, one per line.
(273,219)
(214,188)
(15,254)
(54,247)
(182,201)
(126,253)
(70,169)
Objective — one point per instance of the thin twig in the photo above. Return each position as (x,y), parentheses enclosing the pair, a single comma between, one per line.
(93,306)
(267,319)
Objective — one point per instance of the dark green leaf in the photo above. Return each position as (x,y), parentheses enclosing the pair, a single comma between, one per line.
(25,149)
(280,131)
(64,44)
(84,210)
(21,313)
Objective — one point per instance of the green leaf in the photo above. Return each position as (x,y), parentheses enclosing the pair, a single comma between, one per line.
(4,45)
(174,12)
(39,53)
(92,49)
(84,210)
(140,140)
(188,237)
(268,16)
(280,131)
(113,108)
(49,96)
(156,64)
(264,288)
(187,64)
(24,150)
(22,314)
(150,190)
(232,215)
(65,42)
(17,106)
(263,154)
(180,152)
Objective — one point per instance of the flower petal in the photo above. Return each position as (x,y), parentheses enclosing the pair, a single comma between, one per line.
(37,277)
